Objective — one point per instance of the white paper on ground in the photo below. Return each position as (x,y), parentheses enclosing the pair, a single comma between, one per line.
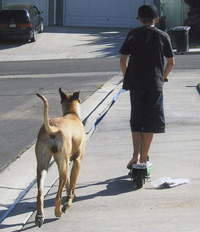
(167,182)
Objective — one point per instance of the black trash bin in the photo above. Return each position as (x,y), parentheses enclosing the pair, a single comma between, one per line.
(170,32)
(180,35)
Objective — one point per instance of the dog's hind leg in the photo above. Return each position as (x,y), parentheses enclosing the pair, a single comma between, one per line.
(39,219)
(43,160)
(72,184)
(63,176)
(73,178)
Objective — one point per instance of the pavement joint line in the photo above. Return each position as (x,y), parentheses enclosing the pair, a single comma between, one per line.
(51,75)
(25,191)
(22,194)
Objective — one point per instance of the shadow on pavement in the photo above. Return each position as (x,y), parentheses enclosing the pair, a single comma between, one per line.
(110,38)
(8,44)
(115,186)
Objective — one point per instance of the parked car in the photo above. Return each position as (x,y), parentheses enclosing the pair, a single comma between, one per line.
(21,21)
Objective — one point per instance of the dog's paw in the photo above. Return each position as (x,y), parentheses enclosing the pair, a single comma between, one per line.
(39,220)
(68,203)
(66,206)
(58,213)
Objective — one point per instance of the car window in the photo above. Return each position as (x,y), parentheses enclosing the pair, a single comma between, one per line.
(36,9)
(14,15)
(33,13)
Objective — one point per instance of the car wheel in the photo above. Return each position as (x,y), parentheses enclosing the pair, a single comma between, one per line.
(41,28)
(33,39)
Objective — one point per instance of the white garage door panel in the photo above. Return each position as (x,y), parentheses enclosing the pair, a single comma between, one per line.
(119,8)
(76,21)
(86,12)
(76,12)
(103,13)
(86,21)
(134,12)
(119,22)
(119,13)
(97,8)
(78,7)
(40,4)
(92,21)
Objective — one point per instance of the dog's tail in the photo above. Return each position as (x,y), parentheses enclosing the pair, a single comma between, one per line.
(50,129)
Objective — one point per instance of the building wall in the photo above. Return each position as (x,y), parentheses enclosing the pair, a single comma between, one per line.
(59,12)
(175,12)
(51,12)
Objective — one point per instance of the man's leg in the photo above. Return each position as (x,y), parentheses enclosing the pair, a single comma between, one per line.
(146,142)
(136,139)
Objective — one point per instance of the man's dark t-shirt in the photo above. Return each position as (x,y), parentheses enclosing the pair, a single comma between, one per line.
(147,47)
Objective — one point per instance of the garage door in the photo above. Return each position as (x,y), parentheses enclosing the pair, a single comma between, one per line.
(40,4)
(102,13)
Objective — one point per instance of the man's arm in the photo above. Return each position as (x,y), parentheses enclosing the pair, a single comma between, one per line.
(123,63)
(169,66)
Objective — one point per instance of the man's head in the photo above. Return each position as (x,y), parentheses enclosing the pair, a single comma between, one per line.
(147,14)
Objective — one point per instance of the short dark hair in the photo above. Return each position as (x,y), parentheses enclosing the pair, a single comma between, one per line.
(146,20)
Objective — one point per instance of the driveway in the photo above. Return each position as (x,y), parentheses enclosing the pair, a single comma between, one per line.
(66,43)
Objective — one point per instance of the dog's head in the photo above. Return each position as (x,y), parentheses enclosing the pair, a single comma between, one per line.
(70,103)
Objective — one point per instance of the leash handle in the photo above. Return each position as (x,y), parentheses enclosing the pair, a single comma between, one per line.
(166,80)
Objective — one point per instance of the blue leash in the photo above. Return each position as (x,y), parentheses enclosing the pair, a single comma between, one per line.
(85,119)
(115,98)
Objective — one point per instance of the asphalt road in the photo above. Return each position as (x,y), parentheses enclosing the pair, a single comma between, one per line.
(21,111)
(59,66)
(190,61)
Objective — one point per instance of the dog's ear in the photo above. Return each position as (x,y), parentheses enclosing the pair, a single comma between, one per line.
(62,95)
(76,96)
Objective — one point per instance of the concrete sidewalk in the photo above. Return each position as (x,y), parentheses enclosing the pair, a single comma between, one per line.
(106,197)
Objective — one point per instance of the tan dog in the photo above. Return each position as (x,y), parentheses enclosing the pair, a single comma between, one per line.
(64,139)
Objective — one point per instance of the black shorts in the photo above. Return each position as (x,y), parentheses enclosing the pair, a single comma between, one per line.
(147,112)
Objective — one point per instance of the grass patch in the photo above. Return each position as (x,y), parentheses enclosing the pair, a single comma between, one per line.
(194,45)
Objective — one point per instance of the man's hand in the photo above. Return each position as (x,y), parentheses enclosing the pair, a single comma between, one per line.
(169,66)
